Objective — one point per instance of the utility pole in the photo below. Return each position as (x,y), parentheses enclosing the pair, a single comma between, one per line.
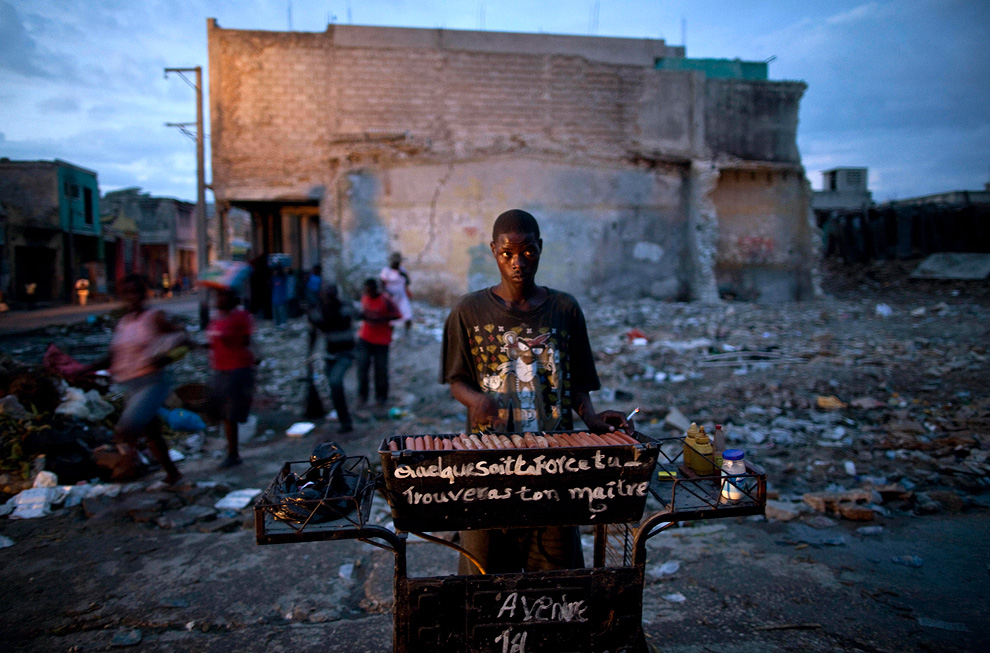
(201,253)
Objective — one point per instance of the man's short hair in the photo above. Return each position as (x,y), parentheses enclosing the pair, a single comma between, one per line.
(515,221)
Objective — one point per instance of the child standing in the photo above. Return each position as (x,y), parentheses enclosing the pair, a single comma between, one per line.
(375,335)
(232,361)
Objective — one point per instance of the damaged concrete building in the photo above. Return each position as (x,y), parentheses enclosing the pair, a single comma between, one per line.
(652,175)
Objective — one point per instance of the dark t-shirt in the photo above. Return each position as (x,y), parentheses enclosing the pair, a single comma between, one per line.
(528,361)
(333,318)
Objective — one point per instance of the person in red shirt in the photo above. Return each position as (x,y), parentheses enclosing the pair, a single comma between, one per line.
(373,338)
(232,388)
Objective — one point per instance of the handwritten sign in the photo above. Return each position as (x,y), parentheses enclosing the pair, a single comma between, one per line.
(596,609)
(452,490)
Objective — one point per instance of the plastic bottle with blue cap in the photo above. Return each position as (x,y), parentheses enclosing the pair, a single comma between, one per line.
(733,466)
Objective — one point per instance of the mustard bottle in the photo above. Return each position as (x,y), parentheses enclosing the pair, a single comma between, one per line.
(703,454)
(689,452)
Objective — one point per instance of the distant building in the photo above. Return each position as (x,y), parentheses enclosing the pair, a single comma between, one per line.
(856,229)
(166,228)
(956,198)
(52,234)
(843,189)
(652,175)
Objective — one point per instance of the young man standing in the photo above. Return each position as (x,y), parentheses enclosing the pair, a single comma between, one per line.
(517,356)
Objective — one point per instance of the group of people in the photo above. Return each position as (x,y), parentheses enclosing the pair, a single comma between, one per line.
(517,355)
(384,303)
(147,340)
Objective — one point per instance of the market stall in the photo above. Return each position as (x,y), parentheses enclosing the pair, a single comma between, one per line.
(452,482)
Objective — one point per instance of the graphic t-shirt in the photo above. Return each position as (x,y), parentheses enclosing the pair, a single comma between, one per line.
(529,362)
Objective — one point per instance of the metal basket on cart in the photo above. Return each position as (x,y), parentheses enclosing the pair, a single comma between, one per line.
(289,512)
(683,495)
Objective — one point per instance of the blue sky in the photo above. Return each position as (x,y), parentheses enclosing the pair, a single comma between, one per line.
(899,86)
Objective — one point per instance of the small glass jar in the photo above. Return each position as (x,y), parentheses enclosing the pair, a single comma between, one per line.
(732,467)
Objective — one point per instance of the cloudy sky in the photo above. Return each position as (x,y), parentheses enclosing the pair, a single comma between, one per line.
(899,86)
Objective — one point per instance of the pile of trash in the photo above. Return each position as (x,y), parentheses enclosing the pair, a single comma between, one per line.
(53,419)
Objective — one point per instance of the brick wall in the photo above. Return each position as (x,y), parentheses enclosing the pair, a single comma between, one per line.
(306,104)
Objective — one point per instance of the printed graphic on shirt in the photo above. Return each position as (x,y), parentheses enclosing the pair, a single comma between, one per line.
(522,369)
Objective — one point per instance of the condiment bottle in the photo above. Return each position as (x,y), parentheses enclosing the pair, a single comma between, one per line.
(689,453)
(718,443)
(698,451)
(732,467)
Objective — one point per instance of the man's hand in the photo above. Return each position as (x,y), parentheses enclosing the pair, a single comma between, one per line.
(483,413)
(482,409)
(608,421)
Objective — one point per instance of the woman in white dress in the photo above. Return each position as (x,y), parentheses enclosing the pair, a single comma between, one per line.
(395,280)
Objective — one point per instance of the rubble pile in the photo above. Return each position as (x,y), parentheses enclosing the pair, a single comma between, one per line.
(853,412)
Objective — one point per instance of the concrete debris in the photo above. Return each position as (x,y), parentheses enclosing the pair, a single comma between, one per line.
(870,530)
(677,419)
(801,534)
(237,500)
(128,637)
(782,511)
(668,568)
(954,265)
(12,407)
(943,625)
(45,479)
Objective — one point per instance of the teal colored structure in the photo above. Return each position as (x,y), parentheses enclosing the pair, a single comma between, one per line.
(79,202)
(717,68)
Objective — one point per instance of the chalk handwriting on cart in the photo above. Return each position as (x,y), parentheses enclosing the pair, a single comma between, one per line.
(512,465)
(544,608)
(593,495)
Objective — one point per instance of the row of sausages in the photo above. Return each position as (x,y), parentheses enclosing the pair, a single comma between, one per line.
(464,442)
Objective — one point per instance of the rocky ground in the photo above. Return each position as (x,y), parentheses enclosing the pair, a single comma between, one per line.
(868,409)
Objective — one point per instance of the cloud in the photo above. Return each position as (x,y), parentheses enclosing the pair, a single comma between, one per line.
(60,104)
(22,54)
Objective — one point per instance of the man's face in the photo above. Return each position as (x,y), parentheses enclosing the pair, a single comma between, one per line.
(518,257)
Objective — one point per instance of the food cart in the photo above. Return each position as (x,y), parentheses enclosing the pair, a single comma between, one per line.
(440,488)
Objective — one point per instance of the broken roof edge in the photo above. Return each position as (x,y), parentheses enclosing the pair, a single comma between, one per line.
(603,49)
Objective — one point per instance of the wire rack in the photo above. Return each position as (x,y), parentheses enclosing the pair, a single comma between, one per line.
(326,514)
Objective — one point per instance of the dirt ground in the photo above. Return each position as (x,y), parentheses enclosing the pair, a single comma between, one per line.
(905,360)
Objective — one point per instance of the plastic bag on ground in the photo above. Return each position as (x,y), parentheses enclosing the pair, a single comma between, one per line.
(180,419)
(34,502)
(89,406)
